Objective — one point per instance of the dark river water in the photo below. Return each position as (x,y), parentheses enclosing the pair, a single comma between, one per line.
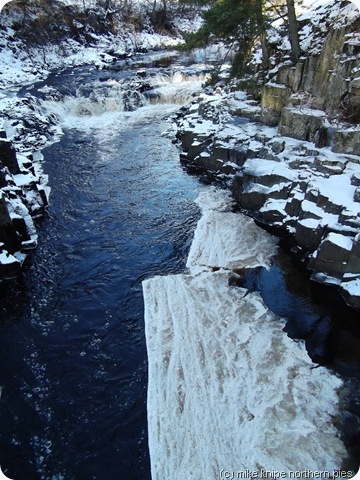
(72,352)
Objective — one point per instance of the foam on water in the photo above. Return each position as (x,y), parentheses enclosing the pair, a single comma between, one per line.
(178,87)
(115,104)
(96,110)
(228,390)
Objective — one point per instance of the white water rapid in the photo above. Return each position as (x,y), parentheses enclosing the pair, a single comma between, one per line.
(230,395)
(120,100)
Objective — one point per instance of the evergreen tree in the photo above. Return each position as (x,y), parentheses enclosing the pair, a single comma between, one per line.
(237,23)
(240,23)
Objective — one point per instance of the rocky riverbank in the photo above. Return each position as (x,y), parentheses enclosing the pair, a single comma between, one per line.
(290,151)
(293,185)
(299,189)
(24,195)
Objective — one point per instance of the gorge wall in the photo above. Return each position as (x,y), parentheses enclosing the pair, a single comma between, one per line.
(23,199)
(292,157)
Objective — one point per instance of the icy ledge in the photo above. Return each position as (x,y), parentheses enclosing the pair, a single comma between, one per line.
(228,390)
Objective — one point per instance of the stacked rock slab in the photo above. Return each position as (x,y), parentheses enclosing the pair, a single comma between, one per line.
(23,198)
(309,192)
(293,158)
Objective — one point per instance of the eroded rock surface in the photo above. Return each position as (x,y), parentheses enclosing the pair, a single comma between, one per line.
(290,184)
(23,198)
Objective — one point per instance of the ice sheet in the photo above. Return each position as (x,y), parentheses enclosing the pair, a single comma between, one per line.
(231,241)
(224,239)
(227,388)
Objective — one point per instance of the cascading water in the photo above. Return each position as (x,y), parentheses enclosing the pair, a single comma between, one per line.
(117,95)
(175,88)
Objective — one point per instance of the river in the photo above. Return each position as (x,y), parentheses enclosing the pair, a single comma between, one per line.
(73,353)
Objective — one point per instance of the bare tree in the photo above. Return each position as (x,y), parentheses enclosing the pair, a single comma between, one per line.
(293,31)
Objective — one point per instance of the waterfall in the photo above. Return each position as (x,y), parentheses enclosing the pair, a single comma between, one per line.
(102,103)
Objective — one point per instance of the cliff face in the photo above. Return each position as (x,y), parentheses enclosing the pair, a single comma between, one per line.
(293,159)
(326,78)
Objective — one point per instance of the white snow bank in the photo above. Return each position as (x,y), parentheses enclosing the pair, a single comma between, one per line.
(227,388)
(228,240)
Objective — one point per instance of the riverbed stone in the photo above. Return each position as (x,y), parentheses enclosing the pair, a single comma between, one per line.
(349,218)
(355,179)
(10,267)
(267,172)
(8,156)
(299,123)
(272,214)
(308,233)
(252,196)
(8,234)
(3,177)
(350,291)
(196,147)
(221,150)
(277,146)
(332,255)
(229,168)
(293,205)
(331,166)
(208,161)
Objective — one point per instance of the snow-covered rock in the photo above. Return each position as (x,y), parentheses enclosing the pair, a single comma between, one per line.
(23,197)
(291,184)
(10,267)
(350,290)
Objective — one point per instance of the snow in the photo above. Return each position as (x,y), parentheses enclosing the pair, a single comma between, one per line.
(304,110)
(309,223)
(352,287)
(6,258)
(16,209)
(276,85)
(228,390)
(338,189)
(23,179)
(260,167)
(319,14)
(230,241)
(342,241)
